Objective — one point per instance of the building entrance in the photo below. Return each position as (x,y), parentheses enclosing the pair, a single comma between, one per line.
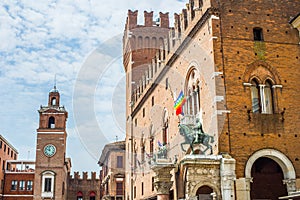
(267,180)
(204,193)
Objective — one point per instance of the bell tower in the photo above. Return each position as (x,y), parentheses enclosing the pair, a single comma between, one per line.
(51,168)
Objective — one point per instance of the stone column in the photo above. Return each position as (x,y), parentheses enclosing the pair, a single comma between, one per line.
(227,177)
(243,188)
(290,185)
(162,179)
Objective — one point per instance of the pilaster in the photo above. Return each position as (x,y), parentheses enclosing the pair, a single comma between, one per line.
(162,179)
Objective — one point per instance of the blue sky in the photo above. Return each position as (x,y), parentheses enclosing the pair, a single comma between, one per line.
(68,38)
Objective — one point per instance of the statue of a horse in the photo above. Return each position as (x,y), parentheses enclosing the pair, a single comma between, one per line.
(195,135)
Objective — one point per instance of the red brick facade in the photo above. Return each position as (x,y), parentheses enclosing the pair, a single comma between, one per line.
(237,63)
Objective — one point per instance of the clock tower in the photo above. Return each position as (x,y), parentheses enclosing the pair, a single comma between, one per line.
(51,168)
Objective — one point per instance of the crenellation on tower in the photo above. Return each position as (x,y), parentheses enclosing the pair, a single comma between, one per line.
(131,21)
(164,20)
(148,18)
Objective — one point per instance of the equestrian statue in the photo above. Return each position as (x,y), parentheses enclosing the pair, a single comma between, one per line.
(195,135)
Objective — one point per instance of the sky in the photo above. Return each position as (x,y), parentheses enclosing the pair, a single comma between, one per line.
(79,43)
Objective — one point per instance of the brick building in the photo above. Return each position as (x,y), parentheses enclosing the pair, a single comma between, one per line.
(19,180)
(237,64)
(84,188)
(112,175)
(7,152)
(48,177)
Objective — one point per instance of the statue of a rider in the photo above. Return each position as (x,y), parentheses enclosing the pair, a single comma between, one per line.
(198,132)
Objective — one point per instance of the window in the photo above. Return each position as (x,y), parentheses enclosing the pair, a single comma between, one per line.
(144,112)
(151,147)
(8,151)
(29,186)
(262,97)
(135,122)
(79,195)
(53,101)
(47,186)
(258,34)
(191,103)
(51,123)
(134,192)
(21,185)
(14,185)
(142,188)
(255,96)
(167,83)
(0,144)
(4,147)
(92,195)
(119,188)
(63,188)
(152,101)
(11,153)
(152,180)
(119,161)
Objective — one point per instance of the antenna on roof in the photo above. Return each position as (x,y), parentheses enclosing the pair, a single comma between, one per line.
(55,81)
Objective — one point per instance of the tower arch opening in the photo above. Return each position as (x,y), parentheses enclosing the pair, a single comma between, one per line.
(51,122)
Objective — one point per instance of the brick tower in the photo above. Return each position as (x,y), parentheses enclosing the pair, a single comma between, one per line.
(51,167)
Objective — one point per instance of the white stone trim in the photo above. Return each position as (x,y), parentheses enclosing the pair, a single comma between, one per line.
(46,132)
(48,174)
(281,159)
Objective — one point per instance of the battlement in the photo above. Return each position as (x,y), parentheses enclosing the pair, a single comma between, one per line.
(132,16)
(153,43)
(84,176)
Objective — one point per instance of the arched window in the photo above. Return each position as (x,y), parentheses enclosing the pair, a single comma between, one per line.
(262,97)
(53,101)
(255,96)
(79,195)
(192,93)
(268,97)
(51,123)
(92,195)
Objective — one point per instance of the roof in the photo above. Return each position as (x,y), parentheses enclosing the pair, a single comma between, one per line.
(11,146)
(108,148)
(293,19)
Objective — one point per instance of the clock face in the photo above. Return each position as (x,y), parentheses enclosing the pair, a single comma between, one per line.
(49,150)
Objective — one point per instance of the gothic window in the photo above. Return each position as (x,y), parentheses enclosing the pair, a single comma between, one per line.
(92,195)
(51,123)
(258,34)
(262,97)
(255,96)
(79,195)
(268,97)
(192,93)
(53,101)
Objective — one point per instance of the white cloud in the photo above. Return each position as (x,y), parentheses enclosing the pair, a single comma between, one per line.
(43,38)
